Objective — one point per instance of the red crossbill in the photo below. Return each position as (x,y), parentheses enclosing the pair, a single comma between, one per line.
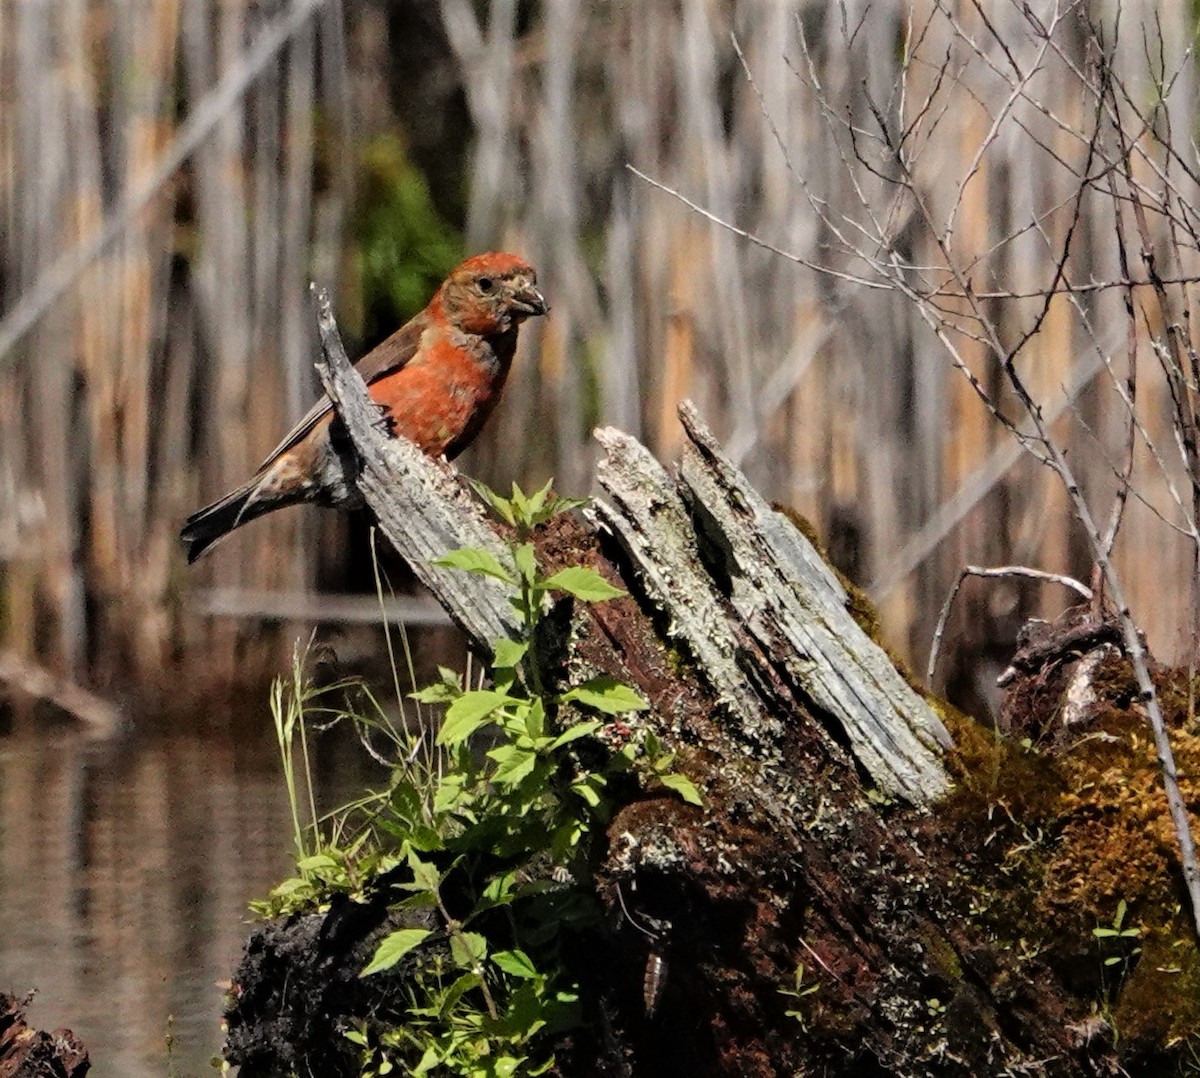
(437,379)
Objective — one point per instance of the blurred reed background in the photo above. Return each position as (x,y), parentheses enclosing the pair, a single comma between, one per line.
(385,138)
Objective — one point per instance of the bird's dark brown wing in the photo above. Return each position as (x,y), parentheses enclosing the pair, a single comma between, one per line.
(389,356)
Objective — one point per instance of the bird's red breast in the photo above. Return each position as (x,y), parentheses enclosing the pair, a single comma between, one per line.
(441,397)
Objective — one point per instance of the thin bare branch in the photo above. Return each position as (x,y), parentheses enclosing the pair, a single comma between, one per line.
(1082,590)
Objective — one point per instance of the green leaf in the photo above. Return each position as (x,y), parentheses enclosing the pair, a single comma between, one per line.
(290,886)
(535,719)
(683,786)
(434,694)
(499,889)
(545,504)
(537,502)
(606,694)
(456,991)
(508,653)
(429,1060)
(564,505)
(473,560)
(525,559)
(567,837)
(450,793)
(423,900)
(394,947)
(437,693)
(503,679)
(468,713)
(500,505)
(585,584)
(316,862)
(573,733)
(468,949)
(587,791)
(520,504)
(517,963)
(516,765)
(425,874)
(423,838)
(662,764)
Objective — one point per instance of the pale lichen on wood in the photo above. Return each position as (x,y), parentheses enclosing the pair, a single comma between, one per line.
(761,611)
(792,604)
(648,518)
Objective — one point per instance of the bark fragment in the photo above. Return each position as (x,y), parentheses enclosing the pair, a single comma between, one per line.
(32,1053)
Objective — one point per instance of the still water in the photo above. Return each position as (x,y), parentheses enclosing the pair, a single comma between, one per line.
(126,868)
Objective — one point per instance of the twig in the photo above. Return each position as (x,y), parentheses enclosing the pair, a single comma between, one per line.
(999,571)
(757,240)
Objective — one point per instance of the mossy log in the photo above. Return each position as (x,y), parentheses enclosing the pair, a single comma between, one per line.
(821,913)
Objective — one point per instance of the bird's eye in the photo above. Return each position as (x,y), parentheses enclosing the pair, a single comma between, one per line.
(485,284)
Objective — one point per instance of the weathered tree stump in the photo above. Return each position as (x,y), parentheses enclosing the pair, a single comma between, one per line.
(816,866)
(32,1053)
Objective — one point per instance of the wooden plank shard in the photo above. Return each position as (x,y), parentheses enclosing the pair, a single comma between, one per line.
(419,503)
(648,518)
(763,615)
(792,604)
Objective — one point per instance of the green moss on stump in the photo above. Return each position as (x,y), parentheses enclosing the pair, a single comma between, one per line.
(1058,837)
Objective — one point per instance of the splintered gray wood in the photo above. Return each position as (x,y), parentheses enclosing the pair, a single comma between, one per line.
(419,503)
(795,608)
(648,518)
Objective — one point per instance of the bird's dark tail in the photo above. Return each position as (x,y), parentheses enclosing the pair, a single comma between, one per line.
(212,523)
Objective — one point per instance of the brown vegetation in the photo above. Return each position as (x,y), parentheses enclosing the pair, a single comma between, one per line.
(173,362)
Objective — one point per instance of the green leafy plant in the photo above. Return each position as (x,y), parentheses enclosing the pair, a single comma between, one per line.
(798,992)
(1120,946)
(1120,942)
(484,830)
(323,865)
(336,852)
(506,821)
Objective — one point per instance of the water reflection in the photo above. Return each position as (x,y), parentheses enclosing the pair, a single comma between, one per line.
(126,867)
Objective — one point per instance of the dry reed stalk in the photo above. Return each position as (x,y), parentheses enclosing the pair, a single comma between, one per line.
(836,397)
(110,383)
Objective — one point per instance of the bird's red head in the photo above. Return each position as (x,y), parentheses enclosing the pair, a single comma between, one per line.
(490,293)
